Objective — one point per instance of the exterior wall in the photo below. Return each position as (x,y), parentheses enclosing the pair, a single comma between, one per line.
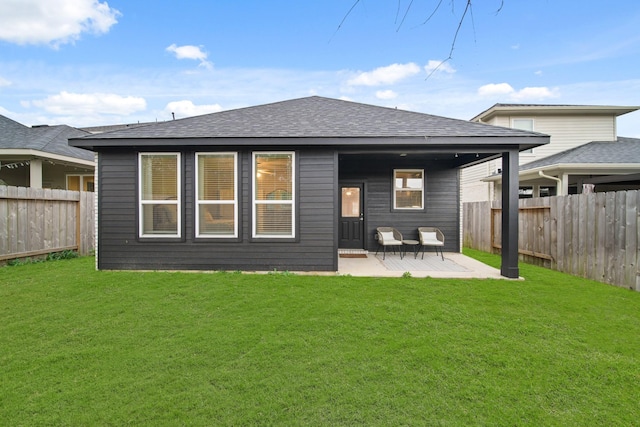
(566,131)
(313,250)
(442,207)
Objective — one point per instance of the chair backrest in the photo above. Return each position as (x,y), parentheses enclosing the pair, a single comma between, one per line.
(430,232)
(383,231)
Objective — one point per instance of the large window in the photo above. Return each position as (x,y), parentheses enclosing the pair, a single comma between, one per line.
(274,195)
(408,191)
(159,194)
(216,189)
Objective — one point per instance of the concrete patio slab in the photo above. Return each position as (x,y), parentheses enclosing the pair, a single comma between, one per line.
(455,265)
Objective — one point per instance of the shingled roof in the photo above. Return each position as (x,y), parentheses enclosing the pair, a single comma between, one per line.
(48,139)
(313,117)
(622,151)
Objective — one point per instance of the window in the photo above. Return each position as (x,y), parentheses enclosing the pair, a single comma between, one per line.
(216,189)
(408,191)
(273,195)
(523,124)
(159,194)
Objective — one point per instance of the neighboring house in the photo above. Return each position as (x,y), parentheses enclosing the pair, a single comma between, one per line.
(595,167)
(569,126)
(285,185)
(40,157)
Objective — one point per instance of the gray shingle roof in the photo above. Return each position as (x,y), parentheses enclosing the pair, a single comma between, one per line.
(49,139)
(624,150)
(313,117)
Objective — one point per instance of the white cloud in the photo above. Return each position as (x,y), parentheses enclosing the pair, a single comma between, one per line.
(439,66)
(190,52)
(525,94)
(534,93)
(385,75)
(495,89)
(386,94)
(4,82)
(187,108)
(66,103)
(53,22)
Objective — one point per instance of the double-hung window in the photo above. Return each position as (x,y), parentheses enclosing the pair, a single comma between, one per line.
(408,189)
(159,194)
(273,195)
(217,195)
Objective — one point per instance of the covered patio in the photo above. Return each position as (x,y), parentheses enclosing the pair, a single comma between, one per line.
(454,266)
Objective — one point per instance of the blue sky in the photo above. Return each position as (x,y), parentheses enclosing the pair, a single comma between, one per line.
(92,62)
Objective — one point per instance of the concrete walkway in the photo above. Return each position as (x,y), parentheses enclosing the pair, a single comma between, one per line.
(455,265)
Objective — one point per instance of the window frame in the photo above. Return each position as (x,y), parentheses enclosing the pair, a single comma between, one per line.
(199,202)
(255,202)
(177,202)
(533,129)
(396,189)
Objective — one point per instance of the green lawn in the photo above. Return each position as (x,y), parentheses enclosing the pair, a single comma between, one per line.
(80,347)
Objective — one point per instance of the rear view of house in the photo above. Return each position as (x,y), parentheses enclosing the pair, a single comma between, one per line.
(285,185)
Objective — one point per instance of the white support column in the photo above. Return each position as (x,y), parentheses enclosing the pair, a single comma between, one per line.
(35,173)
(536,190)
(564,183)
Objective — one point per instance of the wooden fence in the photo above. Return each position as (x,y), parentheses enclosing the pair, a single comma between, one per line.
(595,236)
(35,221)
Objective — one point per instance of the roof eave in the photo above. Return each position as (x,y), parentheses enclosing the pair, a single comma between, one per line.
(521,142)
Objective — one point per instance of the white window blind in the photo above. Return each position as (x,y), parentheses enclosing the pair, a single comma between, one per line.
(159,194)
(216,189)
(273,194)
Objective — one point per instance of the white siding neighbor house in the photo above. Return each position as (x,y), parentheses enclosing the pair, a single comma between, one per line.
(569,126)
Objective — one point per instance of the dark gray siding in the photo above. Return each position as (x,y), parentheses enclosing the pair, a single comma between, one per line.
(442,207)
(120,248)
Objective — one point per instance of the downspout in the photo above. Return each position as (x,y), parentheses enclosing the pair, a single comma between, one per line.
(558,180)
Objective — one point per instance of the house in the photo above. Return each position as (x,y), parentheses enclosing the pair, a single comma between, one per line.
(285,185)
(569,126)
(40,157)
(597,166)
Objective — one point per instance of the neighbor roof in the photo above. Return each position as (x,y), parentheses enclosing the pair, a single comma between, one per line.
(311,117)
(622,151)
(551,109)
(47,139)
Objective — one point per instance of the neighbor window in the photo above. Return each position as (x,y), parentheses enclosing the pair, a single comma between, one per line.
(273,194)
(159,194)
(216,189)
(408,191)
(523,124)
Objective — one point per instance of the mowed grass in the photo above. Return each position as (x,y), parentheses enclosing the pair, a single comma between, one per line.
(81,347)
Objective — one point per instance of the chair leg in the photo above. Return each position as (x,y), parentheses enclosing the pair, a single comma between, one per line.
(442,254)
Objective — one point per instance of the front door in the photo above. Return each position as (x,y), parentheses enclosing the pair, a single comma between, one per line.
(351,225)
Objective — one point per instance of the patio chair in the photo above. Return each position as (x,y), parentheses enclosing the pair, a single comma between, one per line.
(431,236)
(388,236)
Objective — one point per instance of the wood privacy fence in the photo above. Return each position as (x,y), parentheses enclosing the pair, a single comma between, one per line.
(35,221)
(595,236)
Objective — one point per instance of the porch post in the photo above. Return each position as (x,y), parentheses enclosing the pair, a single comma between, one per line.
(510,169)
(35,173)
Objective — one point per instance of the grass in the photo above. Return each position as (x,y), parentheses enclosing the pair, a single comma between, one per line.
(80,347)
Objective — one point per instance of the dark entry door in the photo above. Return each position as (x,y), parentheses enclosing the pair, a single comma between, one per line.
(351,226)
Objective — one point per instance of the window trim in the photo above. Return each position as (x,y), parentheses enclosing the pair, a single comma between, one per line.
(292,202)
(396,189)
(198,202)
(177,202)
(533,129)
